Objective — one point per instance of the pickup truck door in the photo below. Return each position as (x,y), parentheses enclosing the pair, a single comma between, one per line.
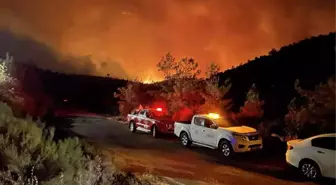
(146,121)
(202,133)
(140,119)
(209,134)
(196,129)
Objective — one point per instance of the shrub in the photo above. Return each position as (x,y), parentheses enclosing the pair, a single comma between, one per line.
(30,156)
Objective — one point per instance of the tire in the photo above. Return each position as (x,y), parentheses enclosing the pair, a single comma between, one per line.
(225,148)
(132,127)
(309,169)
(185,141)
(155,132)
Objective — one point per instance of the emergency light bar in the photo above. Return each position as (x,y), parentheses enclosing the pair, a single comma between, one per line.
(213,115)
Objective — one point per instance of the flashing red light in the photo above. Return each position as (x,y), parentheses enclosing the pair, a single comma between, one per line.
(159,109)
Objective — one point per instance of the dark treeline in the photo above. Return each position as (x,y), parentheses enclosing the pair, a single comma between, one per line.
(312,61)
(51,91)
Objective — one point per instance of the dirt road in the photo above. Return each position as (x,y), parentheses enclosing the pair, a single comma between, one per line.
(138,152)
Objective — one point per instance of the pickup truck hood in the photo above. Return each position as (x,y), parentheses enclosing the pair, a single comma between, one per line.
(240,129)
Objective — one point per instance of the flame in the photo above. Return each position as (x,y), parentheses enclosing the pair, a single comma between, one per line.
(148,81)
(150,78)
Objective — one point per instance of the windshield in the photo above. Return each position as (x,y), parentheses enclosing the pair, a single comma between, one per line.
(226,122)
(158,115)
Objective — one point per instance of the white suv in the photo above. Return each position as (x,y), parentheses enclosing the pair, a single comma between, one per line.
(314,156)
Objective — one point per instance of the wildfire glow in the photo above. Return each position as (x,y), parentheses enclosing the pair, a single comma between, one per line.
(128,38)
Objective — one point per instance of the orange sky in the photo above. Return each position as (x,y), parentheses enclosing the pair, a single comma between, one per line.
(126,38)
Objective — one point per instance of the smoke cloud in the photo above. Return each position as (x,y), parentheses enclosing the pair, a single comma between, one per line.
(126,38)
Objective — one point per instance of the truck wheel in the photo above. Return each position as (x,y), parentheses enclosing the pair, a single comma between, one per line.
(225,148)
(155,132)
(185,139)
(132,127)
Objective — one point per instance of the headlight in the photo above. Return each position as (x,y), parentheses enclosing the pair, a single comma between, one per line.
(242,137)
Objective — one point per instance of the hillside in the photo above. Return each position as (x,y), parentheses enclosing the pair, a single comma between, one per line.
(51,90)
(311,61)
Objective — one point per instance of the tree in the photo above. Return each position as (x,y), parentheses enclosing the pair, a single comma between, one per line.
(185,68)
(214,93)
(252,111)
(181,91)
(8,83)
(186,94)
(214,96)
(313,112)
(128,97)
(212,70)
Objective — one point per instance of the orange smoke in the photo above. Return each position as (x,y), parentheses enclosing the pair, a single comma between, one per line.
(126,38)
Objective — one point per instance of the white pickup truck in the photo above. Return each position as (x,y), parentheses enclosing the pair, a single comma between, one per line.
(213,131)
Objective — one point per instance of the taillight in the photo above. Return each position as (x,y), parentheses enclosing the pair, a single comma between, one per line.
(289,147)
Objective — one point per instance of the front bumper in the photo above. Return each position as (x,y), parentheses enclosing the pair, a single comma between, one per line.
(241,146)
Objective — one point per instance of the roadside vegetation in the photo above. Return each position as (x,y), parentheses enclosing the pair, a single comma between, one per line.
(31,155)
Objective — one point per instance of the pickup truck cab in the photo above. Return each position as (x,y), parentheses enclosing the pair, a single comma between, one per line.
(213,131)
(153,121)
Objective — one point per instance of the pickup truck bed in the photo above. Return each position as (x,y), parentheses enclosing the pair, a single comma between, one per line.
(179,126)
